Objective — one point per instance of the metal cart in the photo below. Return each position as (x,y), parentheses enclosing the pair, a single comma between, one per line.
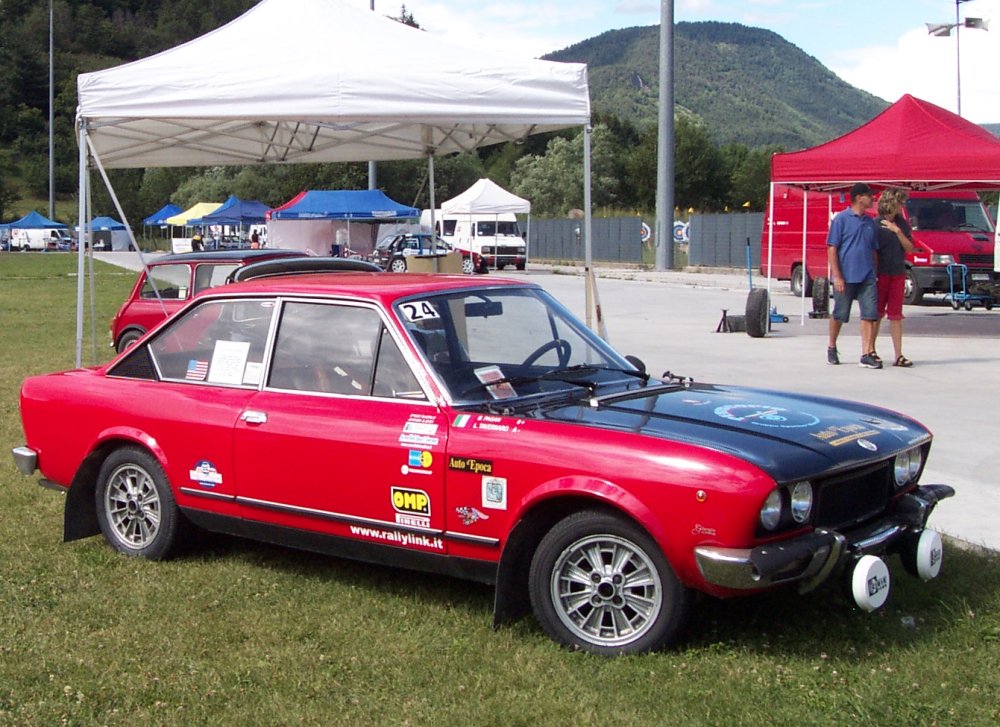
(959,296)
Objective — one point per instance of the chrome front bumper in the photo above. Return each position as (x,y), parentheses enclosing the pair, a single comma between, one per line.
(26,460)
(811,559)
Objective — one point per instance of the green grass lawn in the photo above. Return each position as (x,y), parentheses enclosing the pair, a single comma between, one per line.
(238,633)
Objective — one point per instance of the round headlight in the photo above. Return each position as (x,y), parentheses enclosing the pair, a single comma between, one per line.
(770,511)
(802,501)
(916,459)
(901,469)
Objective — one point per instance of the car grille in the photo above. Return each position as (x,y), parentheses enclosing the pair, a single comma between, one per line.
(508,250)
(977,260)
(850,499)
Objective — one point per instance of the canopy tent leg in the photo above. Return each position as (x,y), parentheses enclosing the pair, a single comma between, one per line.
(81,241)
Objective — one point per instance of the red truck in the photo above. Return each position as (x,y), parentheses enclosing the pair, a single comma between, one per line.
(948,227)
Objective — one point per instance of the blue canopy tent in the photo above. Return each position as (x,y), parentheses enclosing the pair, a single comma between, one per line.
(35,221)
(331,213)
(17,235)
(109,232)
(159,217)
(237,212)
(367,204)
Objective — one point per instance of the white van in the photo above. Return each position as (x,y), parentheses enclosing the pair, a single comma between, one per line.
(39,239)
(495,238)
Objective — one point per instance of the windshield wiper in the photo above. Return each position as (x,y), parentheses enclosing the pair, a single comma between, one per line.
(566,375)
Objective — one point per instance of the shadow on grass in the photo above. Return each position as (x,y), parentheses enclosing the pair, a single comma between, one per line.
(779,622)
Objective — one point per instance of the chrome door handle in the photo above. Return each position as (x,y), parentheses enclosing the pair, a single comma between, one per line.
(253,417)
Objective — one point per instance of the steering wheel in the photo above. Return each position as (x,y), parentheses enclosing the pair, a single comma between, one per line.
(562,347)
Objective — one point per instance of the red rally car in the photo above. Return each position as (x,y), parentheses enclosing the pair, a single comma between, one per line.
(477,429)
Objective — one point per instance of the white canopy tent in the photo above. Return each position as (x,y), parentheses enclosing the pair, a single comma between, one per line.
(486,197)
(325,82)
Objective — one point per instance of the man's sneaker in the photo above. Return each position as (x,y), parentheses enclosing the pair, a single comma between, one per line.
(868,361)
(831,356)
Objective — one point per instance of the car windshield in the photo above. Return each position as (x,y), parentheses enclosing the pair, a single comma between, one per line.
(947,214)
(510,344)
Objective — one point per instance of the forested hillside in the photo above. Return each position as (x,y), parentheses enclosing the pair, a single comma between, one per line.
(749,85)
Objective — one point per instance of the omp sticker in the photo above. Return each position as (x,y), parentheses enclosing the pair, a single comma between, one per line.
(413,502)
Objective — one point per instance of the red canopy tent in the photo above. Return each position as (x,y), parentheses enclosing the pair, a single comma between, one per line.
(912,144)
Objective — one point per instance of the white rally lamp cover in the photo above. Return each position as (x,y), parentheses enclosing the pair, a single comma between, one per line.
(870,583)
(930,550)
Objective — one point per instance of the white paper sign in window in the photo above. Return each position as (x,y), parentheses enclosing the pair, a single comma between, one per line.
(229,359)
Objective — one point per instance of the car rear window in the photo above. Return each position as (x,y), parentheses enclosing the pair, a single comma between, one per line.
(169,281)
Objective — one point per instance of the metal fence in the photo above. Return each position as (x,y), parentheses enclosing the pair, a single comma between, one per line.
(716,240)
(615,239)
(720,240)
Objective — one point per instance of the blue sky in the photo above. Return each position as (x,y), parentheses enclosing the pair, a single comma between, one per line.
(881,46)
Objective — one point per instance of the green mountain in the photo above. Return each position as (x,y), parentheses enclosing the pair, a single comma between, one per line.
(748,85)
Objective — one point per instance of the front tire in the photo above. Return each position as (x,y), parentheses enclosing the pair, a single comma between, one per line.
(398,265)
(135,506)
(913,294)
(468,267)
(600,584)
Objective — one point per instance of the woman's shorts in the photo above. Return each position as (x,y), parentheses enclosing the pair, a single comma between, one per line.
(890,296)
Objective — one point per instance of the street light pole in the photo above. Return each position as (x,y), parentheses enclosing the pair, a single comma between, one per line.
(958,61)
(52,116)
(664,249)
(372,169)
(943,30)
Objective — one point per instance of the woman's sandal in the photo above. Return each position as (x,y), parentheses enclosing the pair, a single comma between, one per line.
(902,361)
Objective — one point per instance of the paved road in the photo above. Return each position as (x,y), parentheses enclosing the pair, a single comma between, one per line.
(669,321)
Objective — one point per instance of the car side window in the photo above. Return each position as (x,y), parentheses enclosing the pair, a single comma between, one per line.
(218,342)
(393,377)
(326,348)
(211,276)
(171,281)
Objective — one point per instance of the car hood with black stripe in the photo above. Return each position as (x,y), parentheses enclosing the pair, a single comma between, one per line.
(787,435)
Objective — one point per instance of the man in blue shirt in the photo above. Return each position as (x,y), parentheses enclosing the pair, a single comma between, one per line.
(852,248)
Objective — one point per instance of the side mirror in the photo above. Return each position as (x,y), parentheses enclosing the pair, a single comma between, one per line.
(637,362)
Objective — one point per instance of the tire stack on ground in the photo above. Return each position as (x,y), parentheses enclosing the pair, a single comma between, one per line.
(758,313)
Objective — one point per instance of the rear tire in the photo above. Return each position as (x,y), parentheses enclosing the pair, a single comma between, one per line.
(796,284)
(600,584)
(398,265)
(135,505)
(128,340)
(468,267)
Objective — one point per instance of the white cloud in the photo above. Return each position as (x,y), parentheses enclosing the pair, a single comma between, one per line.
(924,66)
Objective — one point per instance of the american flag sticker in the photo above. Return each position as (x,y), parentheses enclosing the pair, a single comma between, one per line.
(461,420)
(197,370)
